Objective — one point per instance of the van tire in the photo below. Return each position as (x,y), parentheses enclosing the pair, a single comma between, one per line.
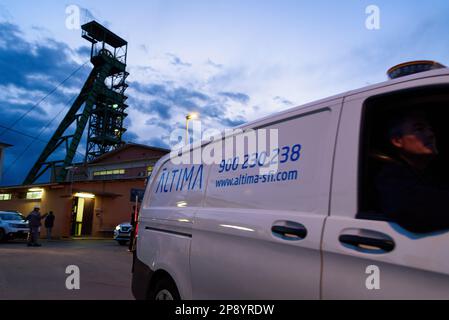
(165,289)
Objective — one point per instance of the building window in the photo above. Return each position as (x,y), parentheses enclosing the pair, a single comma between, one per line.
(5,197)
(34,195)
(150,170)
(109,173)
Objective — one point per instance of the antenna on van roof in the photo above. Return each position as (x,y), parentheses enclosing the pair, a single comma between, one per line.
(412,67)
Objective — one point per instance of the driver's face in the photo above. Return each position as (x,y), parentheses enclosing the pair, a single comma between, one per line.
(418,138)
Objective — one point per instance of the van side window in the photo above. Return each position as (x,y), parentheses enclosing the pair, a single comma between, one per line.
(404,172)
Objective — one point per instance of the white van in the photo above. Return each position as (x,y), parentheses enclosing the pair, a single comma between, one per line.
(311,230)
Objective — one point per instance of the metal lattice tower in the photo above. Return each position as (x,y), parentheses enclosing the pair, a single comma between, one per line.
(103,97)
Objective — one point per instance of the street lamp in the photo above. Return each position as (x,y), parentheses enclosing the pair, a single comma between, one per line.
(190,116)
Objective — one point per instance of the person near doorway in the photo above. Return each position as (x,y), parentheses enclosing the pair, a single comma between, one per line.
(49,223)
(34,220)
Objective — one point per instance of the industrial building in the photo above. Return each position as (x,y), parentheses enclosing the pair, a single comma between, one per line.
(89,198)
(95,197)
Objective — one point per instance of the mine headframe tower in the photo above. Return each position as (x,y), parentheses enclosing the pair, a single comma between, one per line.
(103,97)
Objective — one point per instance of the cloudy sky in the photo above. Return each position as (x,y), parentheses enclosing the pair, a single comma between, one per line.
(230,60)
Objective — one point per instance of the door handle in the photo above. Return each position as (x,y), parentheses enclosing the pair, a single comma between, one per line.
(296,233)
(371,244)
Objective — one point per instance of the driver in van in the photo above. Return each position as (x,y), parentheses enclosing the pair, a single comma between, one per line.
(413,190)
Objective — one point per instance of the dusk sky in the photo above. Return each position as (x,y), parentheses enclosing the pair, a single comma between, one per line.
(231,61)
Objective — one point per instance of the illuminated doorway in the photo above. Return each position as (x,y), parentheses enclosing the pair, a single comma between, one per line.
(82,216)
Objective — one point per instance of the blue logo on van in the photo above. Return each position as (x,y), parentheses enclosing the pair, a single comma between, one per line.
(181,179)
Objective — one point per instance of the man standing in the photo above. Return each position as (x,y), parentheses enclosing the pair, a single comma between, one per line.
(49,222)
(34,220)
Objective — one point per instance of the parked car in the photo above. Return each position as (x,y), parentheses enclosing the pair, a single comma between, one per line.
(122,233)
(12,226)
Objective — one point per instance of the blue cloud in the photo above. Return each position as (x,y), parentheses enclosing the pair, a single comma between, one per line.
(157,90)
(159,123)
(213,110)
(130,136)
(162,109)
(30,71)
(213,64)
(234,122)
(157,142)
(176,61)
(283,101)
(167,97)
(236,96)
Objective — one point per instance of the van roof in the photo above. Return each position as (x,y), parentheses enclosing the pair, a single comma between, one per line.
(260,121)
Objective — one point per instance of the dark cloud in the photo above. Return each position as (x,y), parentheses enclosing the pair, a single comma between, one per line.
(213,64)
(157,142)
(283,101)
(166,97)
(234,122)
(182,94)
(236,96)
(30,71)
(84,52)
(157,122)
(19,59)
(162,109)
(215,111)
(156,90)
(130,136)
(22,155)
(176,61)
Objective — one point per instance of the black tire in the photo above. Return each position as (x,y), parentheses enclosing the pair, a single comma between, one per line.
(165,289)
(3,237)
(122,242)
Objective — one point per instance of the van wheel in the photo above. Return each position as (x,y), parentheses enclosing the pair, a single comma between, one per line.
(165,289)
(2,235)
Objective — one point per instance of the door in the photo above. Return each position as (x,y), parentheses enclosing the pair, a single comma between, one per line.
(82,216)
(258,234)
(166,218)
(366,254)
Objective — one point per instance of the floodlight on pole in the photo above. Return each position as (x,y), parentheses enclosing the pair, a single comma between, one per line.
(190,116)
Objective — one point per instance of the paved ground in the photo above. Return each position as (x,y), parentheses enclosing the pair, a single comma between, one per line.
(39,273)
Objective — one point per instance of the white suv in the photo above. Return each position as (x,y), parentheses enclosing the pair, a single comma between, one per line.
(12,226)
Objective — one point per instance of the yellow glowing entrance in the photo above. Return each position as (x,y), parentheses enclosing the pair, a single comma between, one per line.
(79,217)
(82,215)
